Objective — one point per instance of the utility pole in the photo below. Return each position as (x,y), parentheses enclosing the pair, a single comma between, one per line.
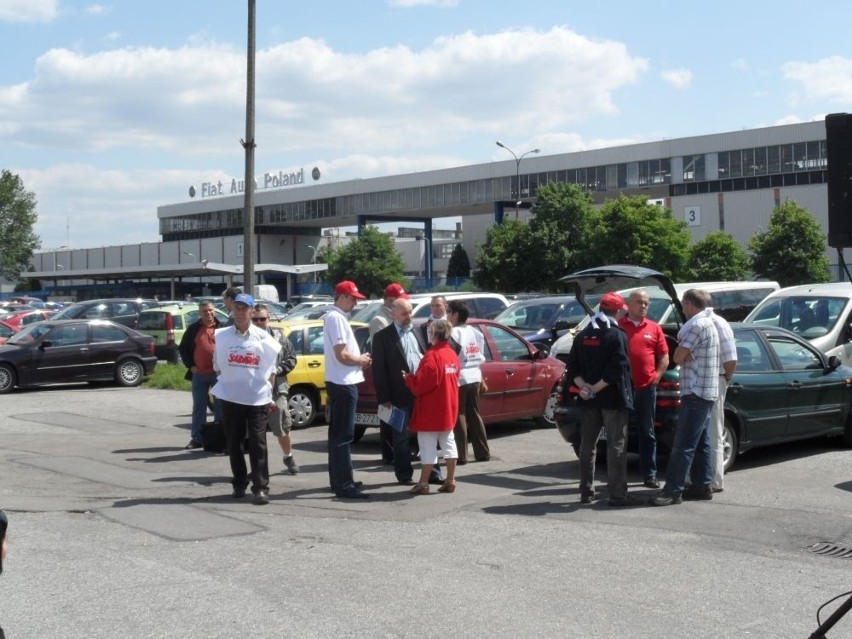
(249,145)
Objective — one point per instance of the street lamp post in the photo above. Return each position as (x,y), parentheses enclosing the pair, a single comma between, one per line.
(314,251)
(518,159)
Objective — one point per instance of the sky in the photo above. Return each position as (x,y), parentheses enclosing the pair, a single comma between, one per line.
(111,109)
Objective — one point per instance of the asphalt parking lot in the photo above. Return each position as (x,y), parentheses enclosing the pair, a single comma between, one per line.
(116,531)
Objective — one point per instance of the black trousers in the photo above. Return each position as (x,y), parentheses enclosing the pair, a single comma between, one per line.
(247,424)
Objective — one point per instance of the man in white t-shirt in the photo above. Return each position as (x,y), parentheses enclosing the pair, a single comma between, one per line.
(245,358)
(343,364)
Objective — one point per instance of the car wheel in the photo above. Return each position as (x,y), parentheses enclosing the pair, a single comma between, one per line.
(729,445)
(360,431)
(847,433)
(548,420)
(303,406)
(129,372)
(8,379)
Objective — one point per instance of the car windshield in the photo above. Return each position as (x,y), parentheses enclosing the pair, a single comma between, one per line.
(531,316)
(30,333)
(313,312)
(71,312)
(808,315)
(366,313)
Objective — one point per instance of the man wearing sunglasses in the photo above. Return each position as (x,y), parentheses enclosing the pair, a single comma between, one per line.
(280,421)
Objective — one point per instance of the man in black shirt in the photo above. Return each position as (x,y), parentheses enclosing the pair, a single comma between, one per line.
(599,369)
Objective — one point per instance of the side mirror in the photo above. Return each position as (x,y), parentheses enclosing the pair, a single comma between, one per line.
(543,351)
(45,344)
(834,362)
(561,325)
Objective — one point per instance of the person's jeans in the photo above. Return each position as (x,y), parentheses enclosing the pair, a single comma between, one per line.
(644,407)
(247,423)
(201,385)
(717,436)
(614,423)
(691,446)
(342,400)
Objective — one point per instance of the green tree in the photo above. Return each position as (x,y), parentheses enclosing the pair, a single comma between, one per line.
(718,257)
(792,250)
(633,231)
(459,265)
(565,216)
(371,261)
(17,218)
(504,263)
(532,257)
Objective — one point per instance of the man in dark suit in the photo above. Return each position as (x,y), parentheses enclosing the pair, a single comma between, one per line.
(398,348)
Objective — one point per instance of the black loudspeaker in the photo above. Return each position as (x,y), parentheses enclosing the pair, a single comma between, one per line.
(838,129)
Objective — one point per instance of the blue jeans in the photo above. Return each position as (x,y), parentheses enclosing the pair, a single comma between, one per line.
(342,399)
(644,405)
(201,385)
(691,446)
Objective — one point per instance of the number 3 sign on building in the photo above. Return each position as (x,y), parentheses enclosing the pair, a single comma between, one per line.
(692,215)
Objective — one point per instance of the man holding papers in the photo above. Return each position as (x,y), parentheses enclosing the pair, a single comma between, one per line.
(398,348)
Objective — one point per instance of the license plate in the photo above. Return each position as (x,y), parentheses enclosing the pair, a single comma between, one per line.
(366,419)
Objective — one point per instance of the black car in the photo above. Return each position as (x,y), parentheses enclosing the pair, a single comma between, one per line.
(61,351)
(121,311)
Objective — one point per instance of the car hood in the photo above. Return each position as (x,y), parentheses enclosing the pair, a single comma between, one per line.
(617,277)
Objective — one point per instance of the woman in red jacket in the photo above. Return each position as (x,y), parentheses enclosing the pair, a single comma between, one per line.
(435,386)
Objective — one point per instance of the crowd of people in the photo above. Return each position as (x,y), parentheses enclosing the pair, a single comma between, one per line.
(615,365)
(427,377)
(428,381)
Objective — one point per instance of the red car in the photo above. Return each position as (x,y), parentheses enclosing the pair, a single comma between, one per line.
(522,380)
(6,332)
(23,318)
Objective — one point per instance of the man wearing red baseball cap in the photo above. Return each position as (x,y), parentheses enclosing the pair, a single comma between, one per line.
(384,317)
(598,366)
(343,364)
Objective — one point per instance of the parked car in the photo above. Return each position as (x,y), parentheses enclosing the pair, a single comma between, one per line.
(121,311)
(544,319)
(6,331)
(820,313)
(783,388)
(307,381)
(23,318)
(522,380)
(61,351)
(167,324)
(304,314)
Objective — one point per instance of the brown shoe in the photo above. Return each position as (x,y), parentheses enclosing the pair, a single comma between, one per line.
(419,489)
(447,487)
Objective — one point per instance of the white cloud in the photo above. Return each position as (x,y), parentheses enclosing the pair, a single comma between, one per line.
(678,78)
(829,79)
(310,96)
(739,64)
(787,119)
(385,111)
(28,10)
(98,9)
